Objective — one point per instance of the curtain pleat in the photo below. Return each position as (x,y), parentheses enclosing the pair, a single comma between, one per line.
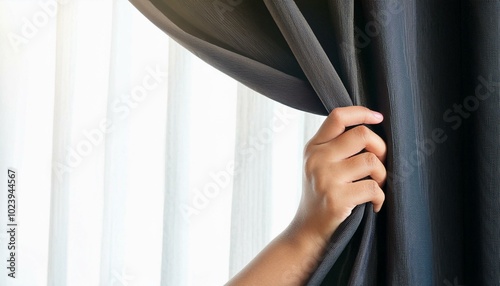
(325,81)
(22,94)
(309,54)
(116,146)
(62,127)
(251,200)
(176,224)
(481,128)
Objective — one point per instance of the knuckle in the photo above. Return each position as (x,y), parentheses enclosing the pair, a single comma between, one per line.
(382,197)
(370,159)
(379,199)
(310,162)
(321,186)
(376,192)
(383,144)
(372,187)
(336,114)
(307,148)
(384,172)
(332,202)
(336,206)
(363,132)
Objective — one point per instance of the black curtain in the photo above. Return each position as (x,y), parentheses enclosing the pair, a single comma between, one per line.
(432,67)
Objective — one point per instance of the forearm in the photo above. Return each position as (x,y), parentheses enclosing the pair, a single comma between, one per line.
(288,260)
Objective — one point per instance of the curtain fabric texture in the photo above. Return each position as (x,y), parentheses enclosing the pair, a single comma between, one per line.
(431,67)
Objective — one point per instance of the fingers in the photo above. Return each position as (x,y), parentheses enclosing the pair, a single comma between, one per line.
(364,165)
(336,167)
(342,117)
(366,191)
(355,140)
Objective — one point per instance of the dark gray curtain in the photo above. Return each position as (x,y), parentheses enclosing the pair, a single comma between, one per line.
(432,67)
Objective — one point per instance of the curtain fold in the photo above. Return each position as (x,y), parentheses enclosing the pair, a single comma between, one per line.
(116,147)
(309,54)
(431,67)
(63,107)
(253,164)
(288,89)
(176,228)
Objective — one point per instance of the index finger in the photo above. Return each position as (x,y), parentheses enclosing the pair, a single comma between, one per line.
(342,117)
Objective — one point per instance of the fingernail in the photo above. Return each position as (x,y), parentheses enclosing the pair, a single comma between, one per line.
(377,115)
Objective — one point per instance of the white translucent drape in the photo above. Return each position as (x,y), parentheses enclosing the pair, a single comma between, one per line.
(176,226)
(251,204)
(116,147)
(64,95)
(138,163)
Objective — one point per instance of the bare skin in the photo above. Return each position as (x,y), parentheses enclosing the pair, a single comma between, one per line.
(342,169)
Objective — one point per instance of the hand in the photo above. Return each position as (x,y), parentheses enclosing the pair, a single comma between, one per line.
(338,176)
(342,169)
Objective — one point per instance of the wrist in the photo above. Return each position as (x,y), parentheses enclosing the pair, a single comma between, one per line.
(305,239)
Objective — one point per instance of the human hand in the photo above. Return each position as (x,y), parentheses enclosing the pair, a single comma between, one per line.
(342,169)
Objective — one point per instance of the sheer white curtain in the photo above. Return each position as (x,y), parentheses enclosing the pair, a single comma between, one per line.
(138,164)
